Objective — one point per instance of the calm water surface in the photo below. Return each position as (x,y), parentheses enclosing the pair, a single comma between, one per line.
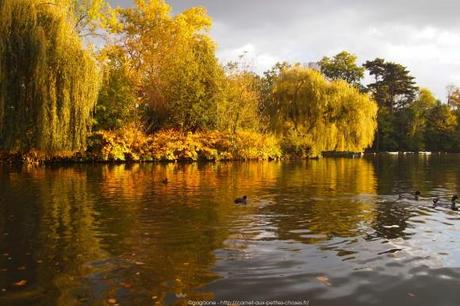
(328,231)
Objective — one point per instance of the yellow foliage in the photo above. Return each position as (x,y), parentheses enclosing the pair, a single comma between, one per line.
(130,144)
(49,81)
(173,63)
(238,107)
(316,115)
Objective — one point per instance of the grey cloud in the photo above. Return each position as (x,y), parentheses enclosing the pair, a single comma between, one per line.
(420,34)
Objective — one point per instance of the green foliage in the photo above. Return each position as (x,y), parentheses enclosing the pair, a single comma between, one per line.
(393,87)
(132,145)
(327,116)
(426,124)
(386,136)
(395,91)
(48,81)
(117,105)
(342,67)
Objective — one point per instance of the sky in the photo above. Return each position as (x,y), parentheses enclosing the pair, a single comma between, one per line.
(423,35)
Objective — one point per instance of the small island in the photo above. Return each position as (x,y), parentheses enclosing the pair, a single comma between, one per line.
(140,93)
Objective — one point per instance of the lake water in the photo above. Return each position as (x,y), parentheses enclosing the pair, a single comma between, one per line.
(319,232)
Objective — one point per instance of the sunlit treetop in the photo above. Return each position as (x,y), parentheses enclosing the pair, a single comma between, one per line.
(342,67)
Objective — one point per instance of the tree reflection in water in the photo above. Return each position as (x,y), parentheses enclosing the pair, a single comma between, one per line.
(87,233)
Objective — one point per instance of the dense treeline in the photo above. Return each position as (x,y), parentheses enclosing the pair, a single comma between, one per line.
(156,73)
(409,118)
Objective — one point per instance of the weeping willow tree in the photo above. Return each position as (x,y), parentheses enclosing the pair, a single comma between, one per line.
(316,115)
(48,81)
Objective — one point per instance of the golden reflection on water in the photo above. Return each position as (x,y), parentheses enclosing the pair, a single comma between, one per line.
(92,232)
(148,236)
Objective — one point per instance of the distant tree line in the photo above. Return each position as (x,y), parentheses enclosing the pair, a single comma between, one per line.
(409,118)
(158,71)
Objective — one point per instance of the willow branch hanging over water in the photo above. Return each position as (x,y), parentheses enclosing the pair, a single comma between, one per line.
(316,115)
(48,82)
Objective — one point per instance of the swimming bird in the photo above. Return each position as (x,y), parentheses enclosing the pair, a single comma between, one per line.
(414,196)
(164,181)
(453,202)
(242,200)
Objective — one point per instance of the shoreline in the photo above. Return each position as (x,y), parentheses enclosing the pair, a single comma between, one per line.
(80,158)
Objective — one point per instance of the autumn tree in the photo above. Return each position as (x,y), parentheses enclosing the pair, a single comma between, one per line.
(342,67)
(440,130)
(267,83)
(238,106)
(453,96)
(88,17)
(417,123)
(48,81)
(316,115)
(173,64)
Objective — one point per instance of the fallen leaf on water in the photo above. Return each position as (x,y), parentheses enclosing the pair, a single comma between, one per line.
(112,301)
(126,285)
(21,283)
(411,294)
(324,280)
(139,263)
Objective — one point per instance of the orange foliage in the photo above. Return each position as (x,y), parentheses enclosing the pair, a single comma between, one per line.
(130,144)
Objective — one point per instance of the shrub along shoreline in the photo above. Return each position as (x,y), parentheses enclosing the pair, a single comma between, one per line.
(132,145)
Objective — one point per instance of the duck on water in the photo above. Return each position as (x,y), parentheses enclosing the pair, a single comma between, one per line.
(453,202)
(416,195)
(411,196)
(242,200)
